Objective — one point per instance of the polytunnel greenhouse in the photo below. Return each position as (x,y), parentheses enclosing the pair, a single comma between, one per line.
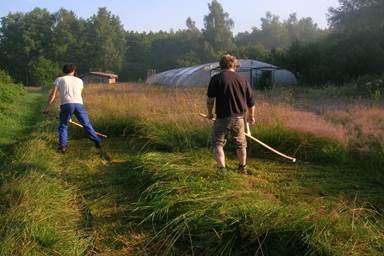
(261,75)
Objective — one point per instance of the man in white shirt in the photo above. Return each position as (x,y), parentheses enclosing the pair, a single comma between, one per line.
(70,88)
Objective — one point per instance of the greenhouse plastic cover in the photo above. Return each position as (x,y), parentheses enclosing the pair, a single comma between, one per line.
(201,74)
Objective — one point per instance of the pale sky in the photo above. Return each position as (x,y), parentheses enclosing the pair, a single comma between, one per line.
(155,15)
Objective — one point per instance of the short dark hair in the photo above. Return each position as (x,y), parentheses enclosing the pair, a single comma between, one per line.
(228,61)
(69,68)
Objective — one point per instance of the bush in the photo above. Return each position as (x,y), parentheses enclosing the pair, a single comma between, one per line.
(5,78)
(371,86)
(44,72)
(8,92)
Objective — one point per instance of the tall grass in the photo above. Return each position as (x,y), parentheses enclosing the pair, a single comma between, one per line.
(170,116)
(365,135)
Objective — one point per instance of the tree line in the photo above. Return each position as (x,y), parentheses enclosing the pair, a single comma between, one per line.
(35,44)
(353,48)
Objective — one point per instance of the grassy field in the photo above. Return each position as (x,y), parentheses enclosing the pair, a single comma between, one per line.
(157,192)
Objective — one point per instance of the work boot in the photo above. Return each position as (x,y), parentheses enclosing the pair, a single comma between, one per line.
(62,148)
(242,169)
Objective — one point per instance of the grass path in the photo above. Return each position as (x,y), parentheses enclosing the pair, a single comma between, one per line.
(39,211)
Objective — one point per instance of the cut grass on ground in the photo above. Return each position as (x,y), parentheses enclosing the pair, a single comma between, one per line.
(174,203)
(39,212)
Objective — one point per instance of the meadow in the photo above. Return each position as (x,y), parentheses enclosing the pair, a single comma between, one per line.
(155,191)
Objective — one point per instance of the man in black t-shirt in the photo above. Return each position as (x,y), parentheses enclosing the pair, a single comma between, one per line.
(233,96)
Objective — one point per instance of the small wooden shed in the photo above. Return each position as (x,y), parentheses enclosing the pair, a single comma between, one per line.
(99,78)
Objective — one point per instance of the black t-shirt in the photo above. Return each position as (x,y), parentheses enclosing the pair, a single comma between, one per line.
(232,92)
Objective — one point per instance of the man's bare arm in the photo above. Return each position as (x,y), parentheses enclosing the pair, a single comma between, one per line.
(51,99)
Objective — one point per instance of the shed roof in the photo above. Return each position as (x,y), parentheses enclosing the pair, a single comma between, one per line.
(103,74)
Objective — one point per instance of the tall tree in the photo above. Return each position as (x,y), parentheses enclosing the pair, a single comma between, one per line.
(191,24)
(281,34)
(354,15)
(137,57)
(12,46)
(105,41)
(273,33)
(191,39)
(218,30)
(303,30)
(68,39)
(353,48)
(24,38)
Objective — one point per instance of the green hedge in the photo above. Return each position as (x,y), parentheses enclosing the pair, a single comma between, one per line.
(9,91)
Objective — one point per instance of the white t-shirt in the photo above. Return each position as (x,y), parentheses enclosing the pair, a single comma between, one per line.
(70,88)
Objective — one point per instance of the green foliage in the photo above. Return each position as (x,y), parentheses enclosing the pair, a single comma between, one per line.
(70,40)
(105,41)
(354,47)
(217,29)
(5,78)
(357,15)
(138,54)
(254,51)
(44,71)
(8,93)
(280,34)
(371,86)
(24,38)
(98,43)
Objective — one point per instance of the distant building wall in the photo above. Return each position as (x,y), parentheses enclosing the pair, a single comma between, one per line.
(99,78)
(93,79)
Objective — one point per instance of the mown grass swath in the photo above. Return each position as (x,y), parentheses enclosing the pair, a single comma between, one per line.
(39,211)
